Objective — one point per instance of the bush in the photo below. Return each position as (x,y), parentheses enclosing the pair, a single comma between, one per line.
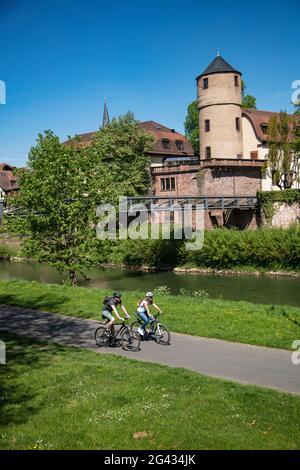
(268,248)
(287,195)
(263,248)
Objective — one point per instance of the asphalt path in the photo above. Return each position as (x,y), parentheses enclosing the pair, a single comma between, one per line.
(243,363)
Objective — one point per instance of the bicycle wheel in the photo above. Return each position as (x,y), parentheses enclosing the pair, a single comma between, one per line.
(135,325)
(102,336)
(162,334)
(130,340)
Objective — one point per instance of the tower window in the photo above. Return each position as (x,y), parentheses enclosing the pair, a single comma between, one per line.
(179,145)
(208,152)
(205,83)
(166,144)
(236,80)
(238,124)
(207,125)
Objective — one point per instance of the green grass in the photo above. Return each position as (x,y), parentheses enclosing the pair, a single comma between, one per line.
(273,326)
(55,397)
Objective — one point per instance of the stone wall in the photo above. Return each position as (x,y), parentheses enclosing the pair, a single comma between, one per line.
(233,181)
(284,215)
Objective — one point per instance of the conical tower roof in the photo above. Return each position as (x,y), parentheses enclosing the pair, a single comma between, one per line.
(106,120)
(219,65)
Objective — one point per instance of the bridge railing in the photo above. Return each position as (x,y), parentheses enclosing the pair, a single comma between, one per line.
(163,203)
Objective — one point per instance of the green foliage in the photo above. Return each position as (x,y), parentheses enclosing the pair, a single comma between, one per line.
(287,195)
(283,163)
(121,147)
(64,184)
(223,249)
(191,126)
(248,101)
(267,199)
(263,248)
(162,290)
(150,253)
(6,252)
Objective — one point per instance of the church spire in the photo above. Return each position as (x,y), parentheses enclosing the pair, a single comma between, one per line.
(106,120)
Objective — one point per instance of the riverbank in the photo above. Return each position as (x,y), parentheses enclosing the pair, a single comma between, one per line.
(192,313)
(242,271)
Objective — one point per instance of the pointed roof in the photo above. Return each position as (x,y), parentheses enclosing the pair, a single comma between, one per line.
(218,65)
(106,120)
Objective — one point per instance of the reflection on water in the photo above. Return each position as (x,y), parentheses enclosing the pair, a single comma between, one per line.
(258,289)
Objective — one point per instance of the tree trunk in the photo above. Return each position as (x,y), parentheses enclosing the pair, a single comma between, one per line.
(73,277)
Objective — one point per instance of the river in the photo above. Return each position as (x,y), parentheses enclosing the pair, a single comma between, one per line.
(257,289)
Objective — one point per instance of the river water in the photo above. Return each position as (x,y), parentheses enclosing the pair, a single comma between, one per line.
(257,289)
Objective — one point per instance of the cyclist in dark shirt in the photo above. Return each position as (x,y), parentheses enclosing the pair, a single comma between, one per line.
(109,309)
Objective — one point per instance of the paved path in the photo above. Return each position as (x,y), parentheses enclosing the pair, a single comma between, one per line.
(238,362)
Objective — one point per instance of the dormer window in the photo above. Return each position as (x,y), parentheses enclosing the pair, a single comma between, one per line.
(205,83)
(166,144)
(179,145)
(264,128)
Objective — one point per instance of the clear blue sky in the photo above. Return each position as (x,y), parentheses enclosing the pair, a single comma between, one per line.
(60,58)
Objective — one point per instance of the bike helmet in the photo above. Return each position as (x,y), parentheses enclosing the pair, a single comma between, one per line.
(117,295)
(150,294)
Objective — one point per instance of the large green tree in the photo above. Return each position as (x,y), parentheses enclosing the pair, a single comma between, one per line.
(64,184)
(191,126)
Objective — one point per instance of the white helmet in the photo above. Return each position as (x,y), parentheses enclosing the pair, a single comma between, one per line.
(149,294)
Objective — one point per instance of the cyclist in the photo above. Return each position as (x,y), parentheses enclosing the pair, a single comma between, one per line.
(143,312)
(109,309)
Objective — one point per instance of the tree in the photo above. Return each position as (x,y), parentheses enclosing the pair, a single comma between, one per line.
(248,101)
(64,184)
(191,126)
(282,159)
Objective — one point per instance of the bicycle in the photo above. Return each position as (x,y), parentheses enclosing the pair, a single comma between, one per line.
(156,331)
(129,340)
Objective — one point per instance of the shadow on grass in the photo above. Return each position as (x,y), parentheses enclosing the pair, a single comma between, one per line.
(17,394)
(35,302)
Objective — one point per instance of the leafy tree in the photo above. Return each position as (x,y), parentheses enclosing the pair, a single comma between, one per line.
(64,184)
(191,126)
(282,160)
(248,101)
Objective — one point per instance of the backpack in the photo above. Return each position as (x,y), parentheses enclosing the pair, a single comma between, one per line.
(106,299)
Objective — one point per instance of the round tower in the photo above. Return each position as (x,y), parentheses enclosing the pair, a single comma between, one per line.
(220,111)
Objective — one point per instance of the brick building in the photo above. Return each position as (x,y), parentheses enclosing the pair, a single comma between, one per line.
(233,148)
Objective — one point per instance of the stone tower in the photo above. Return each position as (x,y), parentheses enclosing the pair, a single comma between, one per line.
(220,115)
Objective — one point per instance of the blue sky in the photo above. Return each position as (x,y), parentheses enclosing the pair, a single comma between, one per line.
(60,58)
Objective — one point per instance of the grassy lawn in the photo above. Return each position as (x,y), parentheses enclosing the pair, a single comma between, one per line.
(276,326)
(54,397)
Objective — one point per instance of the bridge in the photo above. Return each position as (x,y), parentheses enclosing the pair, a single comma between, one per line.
(165,204)
(173,203)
